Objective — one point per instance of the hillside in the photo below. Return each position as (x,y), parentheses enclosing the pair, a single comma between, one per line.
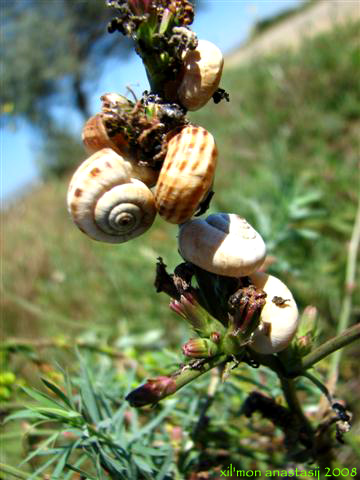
(290,30)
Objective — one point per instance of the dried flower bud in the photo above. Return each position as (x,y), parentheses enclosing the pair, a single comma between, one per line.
(139,7)
(152,391)
(200,320)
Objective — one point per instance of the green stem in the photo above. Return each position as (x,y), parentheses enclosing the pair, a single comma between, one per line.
(189,374)
(15,472)
(345,312)
(340,341)
(319,384)
(289,391)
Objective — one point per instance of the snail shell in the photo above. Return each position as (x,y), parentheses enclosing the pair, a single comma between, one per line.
(106,203)
(95,138)
(202,68)
(223,243)
(186,175)
(279,317)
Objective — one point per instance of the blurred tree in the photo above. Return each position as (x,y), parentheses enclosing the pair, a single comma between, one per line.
(52,54)
(55,50)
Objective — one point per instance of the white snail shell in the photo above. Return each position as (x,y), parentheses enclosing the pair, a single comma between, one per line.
(202,70)
(278,321)
(106,203)
(223,243)
(186,175)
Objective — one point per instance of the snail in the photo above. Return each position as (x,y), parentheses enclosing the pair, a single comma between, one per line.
(106,203)
(186,175)
(95,138)
(225,244)
(202,68)
(279,317)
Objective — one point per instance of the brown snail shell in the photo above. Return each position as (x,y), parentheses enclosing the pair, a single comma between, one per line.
(186,175)
(106,203)
(95,138)
(202,69)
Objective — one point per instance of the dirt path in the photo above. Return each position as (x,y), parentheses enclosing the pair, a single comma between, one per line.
(290,32)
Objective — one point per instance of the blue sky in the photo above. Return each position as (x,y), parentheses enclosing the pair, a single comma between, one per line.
(224,22)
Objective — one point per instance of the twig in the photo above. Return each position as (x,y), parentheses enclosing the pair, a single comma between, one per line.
(345,312)
(292,400)
(346,337)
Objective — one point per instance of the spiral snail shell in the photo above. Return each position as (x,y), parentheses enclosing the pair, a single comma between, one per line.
(106,203)
(279,317)
(186,175)
(225,244)
(95,138)
(202,69)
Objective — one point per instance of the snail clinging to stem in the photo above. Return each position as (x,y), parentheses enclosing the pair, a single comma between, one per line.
(225,244)
(106,202)
(186,175)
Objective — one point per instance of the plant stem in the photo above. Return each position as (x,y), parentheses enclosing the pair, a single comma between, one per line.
(189,374)
(345,312)
(346,337)
(15,472)
(289,390)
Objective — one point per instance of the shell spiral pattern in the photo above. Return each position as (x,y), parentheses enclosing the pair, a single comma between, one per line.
(106,203)
(186,175)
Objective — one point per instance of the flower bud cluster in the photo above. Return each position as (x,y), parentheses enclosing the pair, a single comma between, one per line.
(250,315)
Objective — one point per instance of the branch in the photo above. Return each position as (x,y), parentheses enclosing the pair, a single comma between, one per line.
(155,389)
(340,341)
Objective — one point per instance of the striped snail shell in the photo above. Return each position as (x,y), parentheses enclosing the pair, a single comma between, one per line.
(186,175)
(95,138)
(106,203)
(202,69)
(223,243)
(279,317)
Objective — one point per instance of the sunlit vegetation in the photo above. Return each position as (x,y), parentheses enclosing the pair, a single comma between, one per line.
(288,161)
